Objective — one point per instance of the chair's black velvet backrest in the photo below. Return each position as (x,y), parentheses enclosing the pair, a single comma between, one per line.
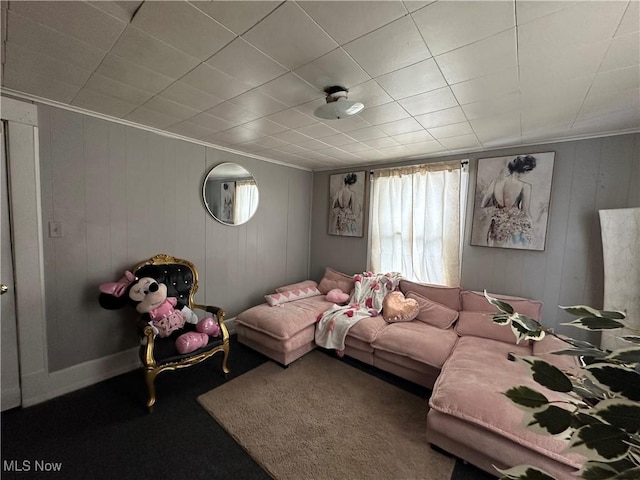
(177,277)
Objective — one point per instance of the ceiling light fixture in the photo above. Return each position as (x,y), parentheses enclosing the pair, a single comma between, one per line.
(337,105)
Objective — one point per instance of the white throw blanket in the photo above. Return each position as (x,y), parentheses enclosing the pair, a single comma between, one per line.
(366,301)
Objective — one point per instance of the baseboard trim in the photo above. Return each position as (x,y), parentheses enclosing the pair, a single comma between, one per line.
(84,374)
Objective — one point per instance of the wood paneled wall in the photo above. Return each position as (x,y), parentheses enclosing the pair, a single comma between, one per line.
(589,175)
(122,195)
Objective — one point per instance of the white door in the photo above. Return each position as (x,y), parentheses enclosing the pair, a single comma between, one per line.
(10,380)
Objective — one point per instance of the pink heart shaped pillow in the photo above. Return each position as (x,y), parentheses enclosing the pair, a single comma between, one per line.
(337,296)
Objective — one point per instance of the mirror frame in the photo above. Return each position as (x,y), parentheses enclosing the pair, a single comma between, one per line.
(210,206)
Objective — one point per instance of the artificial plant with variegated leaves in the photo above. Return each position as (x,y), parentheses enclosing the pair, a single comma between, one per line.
(601,413)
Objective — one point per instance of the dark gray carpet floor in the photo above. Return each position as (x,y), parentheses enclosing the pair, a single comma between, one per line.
(104,431)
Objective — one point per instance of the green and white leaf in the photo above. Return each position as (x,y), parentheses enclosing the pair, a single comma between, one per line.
(548,375)
(626,355)
(526,397)
(620,413)
(582,352)
(502,319)
(604,471)
(595,323)
(631,474)
(500,305)
(616,379)
(581,310)
(551,420)
(600,442)
(631,339)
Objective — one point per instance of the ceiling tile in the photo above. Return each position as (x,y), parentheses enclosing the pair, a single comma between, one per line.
(565,28)
(548,114)
(291,118)
(352,19)
(237,16)
(189,96)
(454,130)
(419,149)
(291,136)
(232,113)
(257,102)
(384,113)
(79,20)
(429,102)
(615,80)
(147,51)
(349,124)
(446,26)
(394,46)
(460,143)
(528,10)
(215,82)
(630,22)
(168,107)
(623,52)
(52,43)
(382,143)
(291,90)
(117,68)
(413,5)
(398,127)
(268,142)
(31,62)
(356,147)
(241,134)
(23,80)
(488,108)
(97,102)
(185,27)
(113,88)
(317,130)
(609,103)
(264,126)
(481,58)
(555,92)
(313,144)
(492,129)
(614,122)
(418,136)
(367,133)
(441,117)
(244,62)
(419,78)
(334,68)
(123,10)
(338,140)
(487,87)
(189,129)
(370,94)
(290,37)
(210,122)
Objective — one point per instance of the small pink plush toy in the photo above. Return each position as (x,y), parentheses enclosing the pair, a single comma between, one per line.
(337,296)
(165,314)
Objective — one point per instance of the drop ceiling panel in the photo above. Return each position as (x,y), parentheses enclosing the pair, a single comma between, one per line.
(418,78)
(334,68)
(50,42)
(79,20)
(290,37)
(215,82)
(429,102)
(394,46)
(185,27)
(446,116)
(245,63)
(94,100)
(291,90)
(149,52)
(446,26)
(115,89)
(237,16)
(118,68)
(348,20)
(189,96)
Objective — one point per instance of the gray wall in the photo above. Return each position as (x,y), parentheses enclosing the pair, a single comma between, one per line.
(125,194)
(589,175)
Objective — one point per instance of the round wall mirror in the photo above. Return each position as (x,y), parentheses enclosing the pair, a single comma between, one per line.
(230,194)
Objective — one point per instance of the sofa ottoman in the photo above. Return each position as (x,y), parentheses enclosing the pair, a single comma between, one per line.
(283,333)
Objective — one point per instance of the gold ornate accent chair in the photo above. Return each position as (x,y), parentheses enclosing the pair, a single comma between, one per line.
(160,354)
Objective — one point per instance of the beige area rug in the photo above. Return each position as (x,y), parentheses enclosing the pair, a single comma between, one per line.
(321,419)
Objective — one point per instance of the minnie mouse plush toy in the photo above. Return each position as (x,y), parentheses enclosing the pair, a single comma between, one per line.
(166,315)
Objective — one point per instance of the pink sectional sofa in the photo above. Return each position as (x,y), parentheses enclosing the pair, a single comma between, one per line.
(453,348)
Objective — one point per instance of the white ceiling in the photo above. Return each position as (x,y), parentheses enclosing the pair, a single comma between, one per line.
(435,77)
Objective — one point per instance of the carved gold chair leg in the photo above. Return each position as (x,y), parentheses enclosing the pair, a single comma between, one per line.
(150,377)
(225,368)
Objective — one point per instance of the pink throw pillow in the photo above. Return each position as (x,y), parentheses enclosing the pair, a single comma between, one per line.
(297,286)
(477,302)
(337,296)
(434,313)
(279,298)
(334,279)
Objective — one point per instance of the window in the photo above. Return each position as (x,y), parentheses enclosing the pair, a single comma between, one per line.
(417,221)
(246,200)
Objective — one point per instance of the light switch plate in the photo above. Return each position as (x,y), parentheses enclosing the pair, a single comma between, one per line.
(55,229)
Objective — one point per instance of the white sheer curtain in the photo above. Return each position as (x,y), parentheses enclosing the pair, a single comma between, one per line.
(417,221)
(246,200)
